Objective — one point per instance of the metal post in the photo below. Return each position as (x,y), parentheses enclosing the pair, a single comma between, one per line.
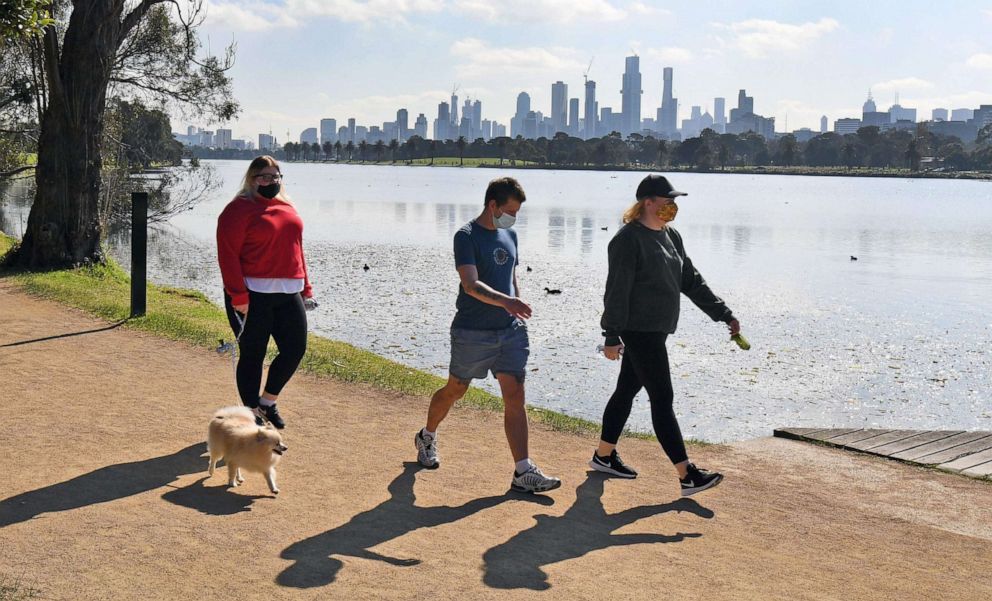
(139,252)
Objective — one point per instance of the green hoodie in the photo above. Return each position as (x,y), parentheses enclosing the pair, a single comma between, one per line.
(648,270)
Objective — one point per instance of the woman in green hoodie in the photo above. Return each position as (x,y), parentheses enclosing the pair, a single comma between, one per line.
(648,270)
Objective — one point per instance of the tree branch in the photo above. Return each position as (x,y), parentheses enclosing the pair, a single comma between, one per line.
(134,17)
(13,172)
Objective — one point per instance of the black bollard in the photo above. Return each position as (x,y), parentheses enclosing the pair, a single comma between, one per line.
(139,252)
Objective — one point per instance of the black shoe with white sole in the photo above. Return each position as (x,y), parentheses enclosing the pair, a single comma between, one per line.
(698,480)
(270,414)
(612,465)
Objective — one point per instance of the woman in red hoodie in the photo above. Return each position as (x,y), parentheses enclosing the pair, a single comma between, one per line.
(266,289)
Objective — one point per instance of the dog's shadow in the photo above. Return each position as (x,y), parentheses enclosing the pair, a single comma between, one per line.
(214,500)
(103,485)
(316,559)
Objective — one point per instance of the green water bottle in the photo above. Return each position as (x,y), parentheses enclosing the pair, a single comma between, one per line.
(741,341)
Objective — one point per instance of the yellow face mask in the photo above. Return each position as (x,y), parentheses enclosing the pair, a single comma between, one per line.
(667,212)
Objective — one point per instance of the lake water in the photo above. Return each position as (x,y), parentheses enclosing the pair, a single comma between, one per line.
(900,338)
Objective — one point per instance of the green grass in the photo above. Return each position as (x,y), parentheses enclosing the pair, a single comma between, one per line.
(188,316)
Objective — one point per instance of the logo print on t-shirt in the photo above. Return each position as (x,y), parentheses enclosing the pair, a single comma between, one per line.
(500,255)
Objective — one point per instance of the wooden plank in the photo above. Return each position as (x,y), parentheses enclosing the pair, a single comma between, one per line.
(958,451)
(968,461)
(912,442)
(877,441)
(794,433)
(858,436)
(980,471)
(826,435)
(943,444)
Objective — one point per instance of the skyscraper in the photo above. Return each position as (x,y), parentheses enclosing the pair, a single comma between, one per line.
(402,125)
(517,121)
(351,131)
(589,128)
(745,106)
(328,130)
(668,114)
(631,96)
(719,114)
(938,115)
(442,125)
(420,127)
(559,106)
(573,117)
(824,125)
(454,113)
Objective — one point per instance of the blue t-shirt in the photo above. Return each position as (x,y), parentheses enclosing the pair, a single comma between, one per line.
(494,254)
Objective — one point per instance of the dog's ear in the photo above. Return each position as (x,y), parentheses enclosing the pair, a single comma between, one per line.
(260,435)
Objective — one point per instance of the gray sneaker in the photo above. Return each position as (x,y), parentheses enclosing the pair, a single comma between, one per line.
(534,480)
(427,451)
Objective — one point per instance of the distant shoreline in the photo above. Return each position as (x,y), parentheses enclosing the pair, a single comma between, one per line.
(803,171)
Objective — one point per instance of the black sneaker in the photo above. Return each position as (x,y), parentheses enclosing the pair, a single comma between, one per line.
(612,465)
(698,480)
(271,415)
(257,412)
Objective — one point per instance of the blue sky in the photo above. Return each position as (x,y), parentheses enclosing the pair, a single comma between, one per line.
(301,60)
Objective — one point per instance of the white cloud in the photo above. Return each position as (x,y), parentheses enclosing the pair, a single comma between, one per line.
(256,15)
(670,54)
(524,11)
(479,59)
(899,85)
(247,16)
(988,13)
(645,10)
(980,61)
(760,38)
(352,11)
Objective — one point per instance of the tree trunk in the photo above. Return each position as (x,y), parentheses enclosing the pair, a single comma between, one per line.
(64,224)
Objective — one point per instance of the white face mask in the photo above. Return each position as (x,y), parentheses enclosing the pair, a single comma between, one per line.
(504,221)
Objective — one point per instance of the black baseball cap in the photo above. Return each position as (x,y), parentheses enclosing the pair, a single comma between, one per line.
(656,185)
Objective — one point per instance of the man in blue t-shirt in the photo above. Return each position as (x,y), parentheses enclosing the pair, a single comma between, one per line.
(488,333)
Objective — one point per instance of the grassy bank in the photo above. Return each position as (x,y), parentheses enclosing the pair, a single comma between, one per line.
(188,316)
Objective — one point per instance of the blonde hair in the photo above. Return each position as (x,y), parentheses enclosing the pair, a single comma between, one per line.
(634,212)
(255,168)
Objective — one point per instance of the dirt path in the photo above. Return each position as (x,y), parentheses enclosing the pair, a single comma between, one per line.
(105,497)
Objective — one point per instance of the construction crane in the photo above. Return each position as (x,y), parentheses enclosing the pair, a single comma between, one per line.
(585,76)
(455,88)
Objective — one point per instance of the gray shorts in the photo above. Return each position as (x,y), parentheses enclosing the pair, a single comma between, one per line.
(475,353)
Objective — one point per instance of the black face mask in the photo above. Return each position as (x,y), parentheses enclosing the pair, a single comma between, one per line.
(269,191)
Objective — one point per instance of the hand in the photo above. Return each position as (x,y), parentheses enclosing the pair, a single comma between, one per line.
(613,352)
(735,326)
(309,304)
(242,309)
(518,308)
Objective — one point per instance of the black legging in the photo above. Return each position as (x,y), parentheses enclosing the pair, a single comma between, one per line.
(281,316)
(645,363)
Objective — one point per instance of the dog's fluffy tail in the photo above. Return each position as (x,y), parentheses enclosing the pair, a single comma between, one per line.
(239,412)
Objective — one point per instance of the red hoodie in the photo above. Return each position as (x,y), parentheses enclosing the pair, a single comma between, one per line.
(261,238)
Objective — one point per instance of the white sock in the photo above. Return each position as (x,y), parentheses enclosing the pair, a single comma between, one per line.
(428,434)
(264,402)
(523,465)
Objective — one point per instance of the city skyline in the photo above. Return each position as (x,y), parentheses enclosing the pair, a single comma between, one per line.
(788,59)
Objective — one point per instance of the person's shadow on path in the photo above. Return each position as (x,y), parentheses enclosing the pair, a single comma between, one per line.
(316,560)
(102,485)
(583,528)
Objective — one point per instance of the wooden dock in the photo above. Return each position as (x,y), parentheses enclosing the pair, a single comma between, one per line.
(968,453)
